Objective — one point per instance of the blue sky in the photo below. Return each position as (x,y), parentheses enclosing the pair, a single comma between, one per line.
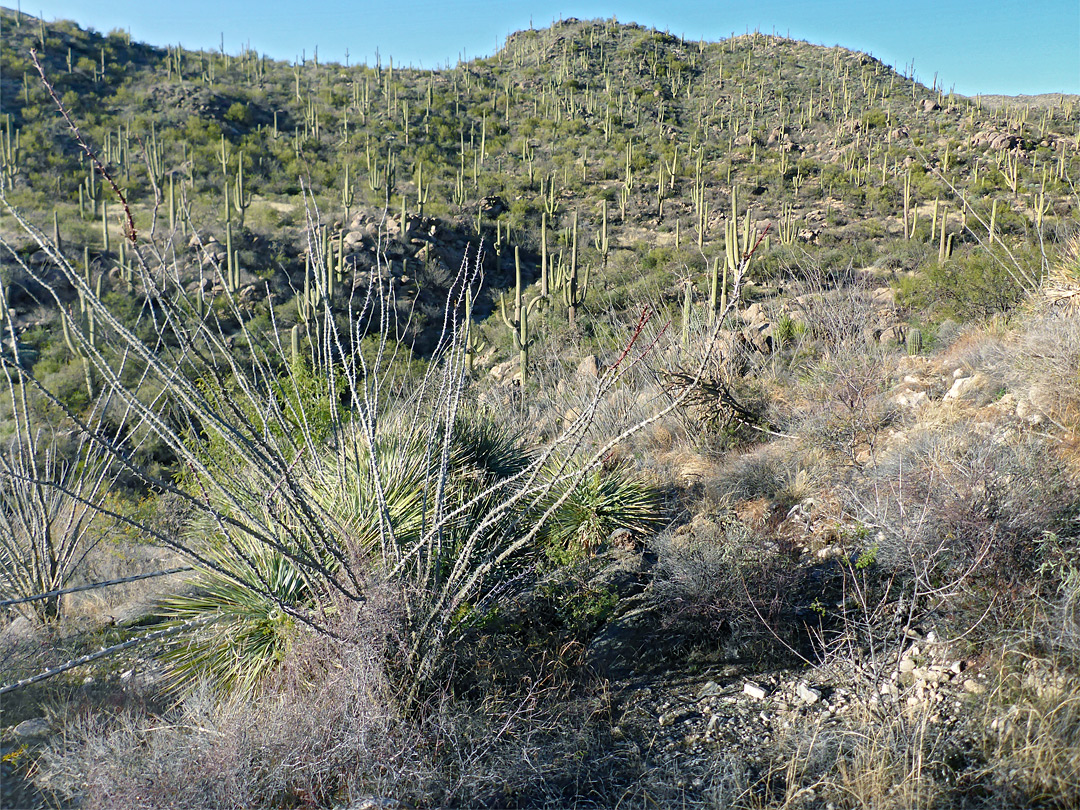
(974,46)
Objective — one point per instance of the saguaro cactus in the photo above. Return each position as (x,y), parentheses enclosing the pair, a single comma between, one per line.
(241,198)
(574,288)
(519,324)
(471,342)
(737,246)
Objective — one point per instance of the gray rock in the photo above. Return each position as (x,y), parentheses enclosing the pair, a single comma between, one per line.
(753,690)
(807,694)
(34,727)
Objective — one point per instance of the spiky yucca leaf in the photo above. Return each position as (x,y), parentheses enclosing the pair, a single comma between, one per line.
(248,627)
(600,503)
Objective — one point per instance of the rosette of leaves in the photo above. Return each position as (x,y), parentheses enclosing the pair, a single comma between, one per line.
(600,502)
(409,502)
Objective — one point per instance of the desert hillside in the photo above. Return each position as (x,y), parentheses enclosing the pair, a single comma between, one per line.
(616,420)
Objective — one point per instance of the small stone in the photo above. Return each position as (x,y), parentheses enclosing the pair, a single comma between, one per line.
(906,665)
(710,688)
(753,690)
(807,694)
(973,686)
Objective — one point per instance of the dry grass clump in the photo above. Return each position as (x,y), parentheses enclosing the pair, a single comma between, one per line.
(718,580)
(329,731)
(1031,734)
(777,471)
(1061,287)
(1030,724)
(1046,369)
(875,757)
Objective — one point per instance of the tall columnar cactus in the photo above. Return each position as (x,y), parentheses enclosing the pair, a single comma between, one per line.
(242,196)
(547,198)
(908,231)
(602,237)
(422,190)
(348,195)
(519,324)
(155,158)
(717,284)
(223,157)
(87,325)
(545,277)
(787,227)
(574,288)
(9,153)
(471,341)
(232,262)
(737,246)
(105,226)
(688,299)
(172,203)
(294,344)
(77,350)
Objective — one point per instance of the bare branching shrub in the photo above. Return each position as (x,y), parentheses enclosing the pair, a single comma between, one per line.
(1046,370)
(853,411)
(960,514)
(50,497)
(717,580)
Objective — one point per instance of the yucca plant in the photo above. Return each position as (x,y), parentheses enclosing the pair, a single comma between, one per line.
(603,501)
(239,628)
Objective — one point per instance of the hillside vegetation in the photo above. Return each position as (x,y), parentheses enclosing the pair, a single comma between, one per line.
(617,420)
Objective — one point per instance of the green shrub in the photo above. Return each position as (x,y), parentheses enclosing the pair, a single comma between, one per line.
(600,503)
